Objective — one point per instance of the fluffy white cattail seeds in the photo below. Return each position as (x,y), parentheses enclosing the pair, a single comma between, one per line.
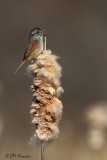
(46,108)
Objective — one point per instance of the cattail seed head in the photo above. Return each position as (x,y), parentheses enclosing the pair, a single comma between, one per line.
(46,108)
(96,117)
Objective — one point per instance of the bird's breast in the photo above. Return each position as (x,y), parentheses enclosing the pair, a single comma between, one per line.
(38,50)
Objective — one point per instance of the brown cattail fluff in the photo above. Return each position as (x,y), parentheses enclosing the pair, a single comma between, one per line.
(46,108)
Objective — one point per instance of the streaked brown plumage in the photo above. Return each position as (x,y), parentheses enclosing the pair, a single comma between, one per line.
(35,46)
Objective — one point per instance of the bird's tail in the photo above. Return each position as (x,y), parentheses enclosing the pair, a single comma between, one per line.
(20,66)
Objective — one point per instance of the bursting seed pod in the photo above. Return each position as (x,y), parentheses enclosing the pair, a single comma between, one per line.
(46,108)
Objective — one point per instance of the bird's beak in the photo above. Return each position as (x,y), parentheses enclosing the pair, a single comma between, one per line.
(43,32)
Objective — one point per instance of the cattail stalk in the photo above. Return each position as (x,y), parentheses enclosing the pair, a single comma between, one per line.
(45,43)
(42,146)
(46,108)
(42,151)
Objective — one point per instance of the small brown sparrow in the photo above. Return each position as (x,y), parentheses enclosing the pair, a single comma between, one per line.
(35,47)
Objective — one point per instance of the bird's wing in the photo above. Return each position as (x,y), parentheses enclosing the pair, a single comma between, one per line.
(32,46)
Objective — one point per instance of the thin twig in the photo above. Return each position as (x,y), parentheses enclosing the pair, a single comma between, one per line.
(42,146)
(45,43)
(42,151)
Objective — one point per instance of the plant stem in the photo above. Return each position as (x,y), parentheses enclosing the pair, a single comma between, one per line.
(42,146)
(45,43)
(42,151)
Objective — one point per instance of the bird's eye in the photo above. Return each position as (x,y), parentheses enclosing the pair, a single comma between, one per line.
(37,31)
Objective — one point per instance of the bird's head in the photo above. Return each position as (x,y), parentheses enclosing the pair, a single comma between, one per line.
(36,33)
